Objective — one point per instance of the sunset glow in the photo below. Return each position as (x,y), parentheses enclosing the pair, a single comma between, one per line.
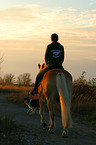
(25,29)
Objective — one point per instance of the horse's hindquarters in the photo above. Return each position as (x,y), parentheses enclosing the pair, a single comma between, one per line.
(57,83)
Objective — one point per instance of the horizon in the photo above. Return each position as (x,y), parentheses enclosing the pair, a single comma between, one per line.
(26,27)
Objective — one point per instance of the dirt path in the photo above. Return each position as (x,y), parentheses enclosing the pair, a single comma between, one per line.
(80,134)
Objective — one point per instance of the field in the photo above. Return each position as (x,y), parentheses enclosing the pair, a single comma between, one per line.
(83,108)
(83,98)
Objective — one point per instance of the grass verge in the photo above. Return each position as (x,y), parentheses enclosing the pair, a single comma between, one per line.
(86,110)
(17,98)
(14,89)
(9,132)
(13,134)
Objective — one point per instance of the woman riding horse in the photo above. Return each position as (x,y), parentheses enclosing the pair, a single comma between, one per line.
(55,87)
(54,57)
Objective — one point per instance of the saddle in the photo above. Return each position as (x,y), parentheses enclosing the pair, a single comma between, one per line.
(49,67)
(42,70)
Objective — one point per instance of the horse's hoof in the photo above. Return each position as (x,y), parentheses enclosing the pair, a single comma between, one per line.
(64,134)
(48,127)
(43,125)
(51,131)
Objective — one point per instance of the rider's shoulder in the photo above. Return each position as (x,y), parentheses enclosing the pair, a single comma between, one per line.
(60,44)
(49,45)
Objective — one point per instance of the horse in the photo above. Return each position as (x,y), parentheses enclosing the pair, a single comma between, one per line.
(56,86)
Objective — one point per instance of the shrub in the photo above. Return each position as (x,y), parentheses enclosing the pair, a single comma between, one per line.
(82,91)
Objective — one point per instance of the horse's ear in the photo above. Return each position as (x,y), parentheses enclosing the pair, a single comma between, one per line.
(39,65)
(43,65)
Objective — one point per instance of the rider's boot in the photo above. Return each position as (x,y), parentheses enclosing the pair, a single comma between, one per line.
(34,91)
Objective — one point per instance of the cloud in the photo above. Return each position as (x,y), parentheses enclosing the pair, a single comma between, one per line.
(93,2)
(70,9)
(32,22)
(94,10)
(25,32)
(20,12)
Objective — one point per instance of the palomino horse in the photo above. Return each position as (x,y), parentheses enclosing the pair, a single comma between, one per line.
(56,84)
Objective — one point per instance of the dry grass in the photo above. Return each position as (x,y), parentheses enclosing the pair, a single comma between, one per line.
(17,98)
(16,94)
(83,102)
(13,88)
(9,132)
(86,110)
(6,125)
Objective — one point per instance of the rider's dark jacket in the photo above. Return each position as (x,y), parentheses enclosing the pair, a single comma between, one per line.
(54,54)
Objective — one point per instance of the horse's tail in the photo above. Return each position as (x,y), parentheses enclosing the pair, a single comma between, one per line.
(64,87)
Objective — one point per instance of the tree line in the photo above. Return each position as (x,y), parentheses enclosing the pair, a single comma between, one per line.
(22,79)
(25,80)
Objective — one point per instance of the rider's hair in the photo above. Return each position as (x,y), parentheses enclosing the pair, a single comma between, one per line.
(54,37)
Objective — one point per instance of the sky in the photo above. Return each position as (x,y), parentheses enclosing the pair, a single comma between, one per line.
(26,27)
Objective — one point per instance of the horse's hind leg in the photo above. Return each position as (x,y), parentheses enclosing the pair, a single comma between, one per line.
(64,133)
(51,121)
(43,123)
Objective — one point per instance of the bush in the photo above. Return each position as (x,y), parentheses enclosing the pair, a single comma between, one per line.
(82,92)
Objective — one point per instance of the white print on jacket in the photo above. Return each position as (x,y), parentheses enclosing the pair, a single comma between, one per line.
(56,53)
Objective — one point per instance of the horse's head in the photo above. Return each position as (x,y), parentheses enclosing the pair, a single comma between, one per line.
(41,67)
